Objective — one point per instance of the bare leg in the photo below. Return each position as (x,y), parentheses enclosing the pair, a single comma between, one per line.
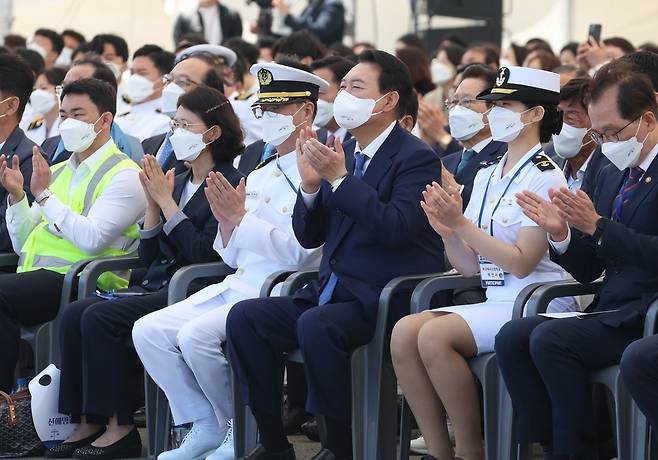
(417,387)
(114,433)
(84,430)
(444,343)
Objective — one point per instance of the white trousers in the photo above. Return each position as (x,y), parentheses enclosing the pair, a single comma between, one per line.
(180,347)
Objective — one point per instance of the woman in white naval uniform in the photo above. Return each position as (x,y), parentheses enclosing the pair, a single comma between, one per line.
(180,346)
(492,237)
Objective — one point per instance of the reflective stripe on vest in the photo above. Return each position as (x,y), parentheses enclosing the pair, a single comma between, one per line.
(110,163)
(44,261)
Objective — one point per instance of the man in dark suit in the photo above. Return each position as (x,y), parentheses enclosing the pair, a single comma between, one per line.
(362,205)
(16,82)
(546,362)
(469,126)
(324,18)
(215,21)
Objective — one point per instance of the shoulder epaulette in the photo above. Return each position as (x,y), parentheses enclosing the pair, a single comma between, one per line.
(244,95)
(542,162)
(36,123)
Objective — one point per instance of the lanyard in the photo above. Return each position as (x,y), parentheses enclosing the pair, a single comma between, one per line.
(292,186)
(486,191)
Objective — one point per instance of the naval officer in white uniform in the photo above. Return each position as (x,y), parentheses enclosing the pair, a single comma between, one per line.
(492,237)
(180,346)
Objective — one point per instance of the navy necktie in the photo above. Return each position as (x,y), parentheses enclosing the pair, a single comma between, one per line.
(626,192)
(328,290)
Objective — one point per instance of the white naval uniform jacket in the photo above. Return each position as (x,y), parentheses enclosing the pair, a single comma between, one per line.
(264,242)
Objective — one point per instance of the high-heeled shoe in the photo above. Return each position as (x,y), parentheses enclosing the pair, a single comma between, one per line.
(66,449)
(130,446)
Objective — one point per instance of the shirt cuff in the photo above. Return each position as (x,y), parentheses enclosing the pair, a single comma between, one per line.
(148,233)
(17,209)
(176,219)
(309,198)
(52,209)
(335,184)
(561,246)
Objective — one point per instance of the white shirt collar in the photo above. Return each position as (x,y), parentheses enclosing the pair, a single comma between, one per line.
(498,173)
(91,161)
(147,107)
(372,148)
(480,145)
(288,160)
(649,159)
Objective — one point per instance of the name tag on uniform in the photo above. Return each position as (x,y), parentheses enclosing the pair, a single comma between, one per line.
(251,194)
(505,201)
(490,274)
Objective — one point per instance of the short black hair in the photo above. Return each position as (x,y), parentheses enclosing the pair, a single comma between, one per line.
(239,68)
(620,42)
(54,74)
(75,35)
(55,39)
(648,46)
(393,75)
(453,51)
(481,72)
(101,71)
(410,106)
(413,40)
(215,109)
(16,79)
(647,63)
(338,66)
(33,59)
(161,59)
(190,39)
(571,46)
(248,51)
(635,93)
(576,89)
(86,50)
(266,41)
(538,43)
(119,44)
(15,41)
(551,123)
(339,49)
(101,93)
(491,56)
(300,44)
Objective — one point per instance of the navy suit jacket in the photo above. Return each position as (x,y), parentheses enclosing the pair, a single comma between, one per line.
(628,251)
(189,242)
(373,229)
(250,157)
(596,162)
(324,18)
(16,144)
(491,153)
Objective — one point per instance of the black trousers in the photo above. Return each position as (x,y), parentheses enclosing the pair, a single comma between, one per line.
(98,366)
(260,330)
(639,368)
(26,299)
(546,365)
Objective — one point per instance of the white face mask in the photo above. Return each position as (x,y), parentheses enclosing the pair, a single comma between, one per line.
(505,124)
(138,88)
(324,113)
(568,143)
(441,72)
(42,101)
(77,135)
(38,48)
(624,154)
(65,56)
(464,123)
(187,145)
(116,70)
(278,127)
(351,112)
(170,95)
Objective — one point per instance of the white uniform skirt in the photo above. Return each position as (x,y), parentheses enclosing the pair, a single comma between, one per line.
(487,318)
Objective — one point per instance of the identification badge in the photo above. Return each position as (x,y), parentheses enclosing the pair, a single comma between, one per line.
(490,275)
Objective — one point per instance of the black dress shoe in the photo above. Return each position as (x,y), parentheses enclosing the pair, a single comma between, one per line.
(294,415)
(66,449)
(311,431)
(326,454)
(130,446)
(259,453)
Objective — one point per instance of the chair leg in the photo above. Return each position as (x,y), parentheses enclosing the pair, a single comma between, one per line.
(405,430)
(245,430)
(490,392)
(623,412)
(163,422)
(150,400)
(507,446)
(641,437)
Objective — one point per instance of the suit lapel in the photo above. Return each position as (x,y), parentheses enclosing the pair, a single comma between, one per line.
(377,168)
(179,186)
(11,143)
(643,189)
(608,194)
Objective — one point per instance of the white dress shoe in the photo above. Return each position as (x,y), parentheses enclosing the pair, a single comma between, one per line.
(417,446)
(196,445)
(225,450)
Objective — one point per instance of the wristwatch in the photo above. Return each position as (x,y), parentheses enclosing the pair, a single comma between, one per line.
(42,196)
(601,224)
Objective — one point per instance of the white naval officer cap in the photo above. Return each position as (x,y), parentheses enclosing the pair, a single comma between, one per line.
(280,83)
(524,84)
(222,53)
